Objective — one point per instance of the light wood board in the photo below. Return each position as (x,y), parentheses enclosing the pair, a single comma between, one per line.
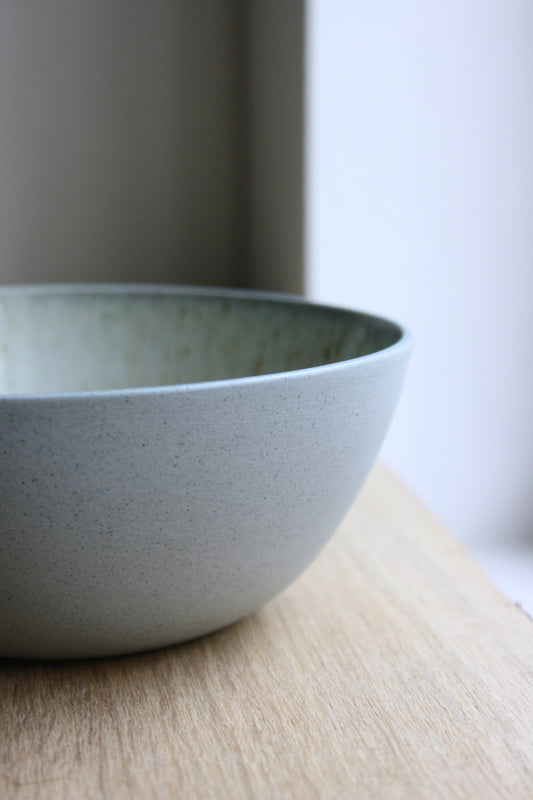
(391,669)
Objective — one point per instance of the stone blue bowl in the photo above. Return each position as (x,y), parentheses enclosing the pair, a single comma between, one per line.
(172,458)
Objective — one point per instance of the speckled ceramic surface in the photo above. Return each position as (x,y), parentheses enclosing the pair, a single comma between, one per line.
(172,458)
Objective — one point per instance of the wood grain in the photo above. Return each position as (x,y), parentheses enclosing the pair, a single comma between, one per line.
(391,669)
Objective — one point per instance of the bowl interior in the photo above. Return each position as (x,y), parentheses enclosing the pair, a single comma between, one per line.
(98,338)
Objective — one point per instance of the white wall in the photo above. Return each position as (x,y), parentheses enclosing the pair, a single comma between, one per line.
(420,206)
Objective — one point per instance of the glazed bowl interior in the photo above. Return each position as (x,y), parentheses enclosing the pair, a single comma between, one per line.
(72,339)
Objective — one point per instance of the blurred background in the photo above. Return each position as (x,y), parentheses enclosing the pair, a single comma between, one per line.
(374,155)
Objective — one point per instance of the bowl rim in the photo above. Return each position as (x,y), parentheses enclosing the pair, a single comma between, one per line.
(402,345)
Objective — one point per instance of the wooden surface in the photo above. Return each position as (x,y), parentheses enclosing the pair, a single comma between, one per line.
(391,669)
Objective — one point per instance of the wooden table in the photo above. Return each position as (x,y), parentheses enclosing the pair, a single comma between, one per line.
(391,669)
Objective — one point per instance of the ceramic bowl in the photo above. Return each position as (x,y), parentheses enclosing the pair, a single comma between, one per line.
(172,458)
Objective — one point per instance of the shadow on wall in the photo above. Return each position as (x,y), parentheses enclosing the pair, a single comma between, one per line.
(117,148)
(165,144)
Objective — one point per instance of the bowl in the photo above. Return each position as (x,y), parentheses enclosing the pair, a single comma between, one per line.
(172,458)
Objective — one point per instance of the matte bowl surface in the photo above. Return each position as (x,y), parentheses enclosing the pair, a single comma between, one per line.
(172,458)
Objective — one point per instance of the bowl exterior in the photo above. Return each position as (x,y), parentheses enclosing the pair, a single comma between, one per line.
(138,519)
